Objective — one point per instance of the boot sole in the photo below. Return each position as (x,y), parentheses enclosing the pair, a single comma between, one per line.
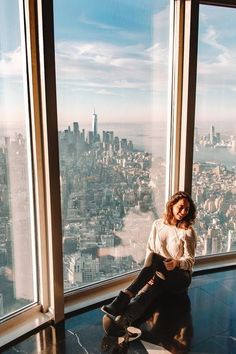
(134,333)
(108,313)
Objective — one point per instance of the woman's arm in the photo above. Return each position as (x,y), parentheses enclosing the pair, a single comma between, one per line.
(153,242)
(188,259)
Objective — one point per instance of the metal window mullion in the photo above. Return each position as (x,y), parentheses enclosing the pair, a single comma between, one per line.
(224,3)
(38,153)
(176,102)
(188,94)
(51,156)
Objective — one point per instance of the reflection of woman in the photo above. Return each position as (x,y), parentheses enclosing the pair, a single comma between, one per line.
(170,323)
(168,265)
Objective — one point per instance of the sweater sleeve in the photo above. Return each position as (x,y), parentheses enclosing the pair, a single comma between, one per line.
(188,259)
(152,244)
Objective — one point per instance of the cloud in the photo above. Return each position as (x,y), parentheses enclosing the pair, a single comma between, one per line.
(216,65)
(106,65)
(120,32)
(11,64)
(105,92)
(85,20)
(109,67)
(211,38)
(158,54)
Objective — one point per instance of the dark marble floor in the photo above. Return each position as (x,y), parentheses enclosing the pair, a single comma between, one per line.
(204,321)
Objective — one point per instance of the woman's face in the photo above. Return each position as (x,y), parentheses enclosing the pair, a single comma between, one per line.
(180,209)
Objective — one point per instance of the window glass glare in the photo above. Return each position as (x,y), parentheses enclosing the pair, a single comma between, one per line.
(214,168)
(112,80)
(17,256)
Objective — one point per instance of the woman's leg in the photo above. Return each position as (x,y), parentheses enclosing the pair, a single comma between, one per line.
(141,302)
(176,281)
(118,305)
(153,264)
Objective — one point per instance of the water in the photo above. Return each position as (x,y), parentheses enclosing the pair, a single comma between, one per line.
(223,156)
(147,137)
(152,137)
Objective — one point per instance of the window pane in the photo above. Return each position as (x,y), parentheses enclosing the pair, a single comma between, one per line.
(17,254)
(112,79)
(214,168)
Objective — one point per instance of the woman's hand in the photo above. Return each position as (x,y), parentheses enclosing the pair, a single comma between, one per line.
(171,264)
(152,281)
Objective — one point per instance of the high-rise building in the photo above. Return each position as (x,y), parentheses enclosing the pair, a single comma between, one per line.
(90,137)
(76,127)
(95,126)
(231,244)
(76,132)
(207,245)
(130,145)
(212,134)
(124,145)
(21,228)
(218,137)
(82,136)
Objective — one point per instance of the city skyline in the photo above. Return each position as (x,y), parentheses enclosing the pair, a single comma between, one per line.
(110,193)
(112,63)
(118,62)
(151,138)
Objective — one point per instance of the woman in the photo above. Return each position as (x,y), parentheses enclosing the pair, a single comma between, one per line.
(170,256)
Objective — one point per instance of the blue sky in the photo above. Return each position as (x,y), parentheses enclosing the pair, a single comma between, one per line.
(12,106)
(113,56)
(216,85)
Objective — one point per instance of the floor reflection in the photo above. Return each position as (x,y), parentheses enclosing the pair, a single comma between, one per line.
(169,323)
(114,345)
(209,308)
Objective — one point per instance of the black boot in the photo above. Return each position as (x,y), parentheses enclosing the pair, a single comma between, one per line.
(118,305)
(122,322)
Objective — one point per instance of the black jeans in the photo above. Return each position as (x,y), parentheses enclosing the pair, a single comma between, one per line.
(176,281)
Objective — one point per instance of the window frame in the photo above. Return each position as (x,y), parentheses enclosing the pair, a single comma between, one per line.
(35,314)
(188,47)
(53,303)
(73,296)
(42,95)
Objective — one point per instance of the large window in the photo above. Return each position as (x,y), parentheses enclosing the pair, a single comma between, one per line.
(214,168)
(112,82)
(17,252)
(112,78)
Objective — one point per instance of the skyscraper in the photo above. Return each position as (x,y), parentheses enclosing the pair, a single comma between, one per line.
(212,134)
(76,132)
(22,227)
(76,127)
(95,126)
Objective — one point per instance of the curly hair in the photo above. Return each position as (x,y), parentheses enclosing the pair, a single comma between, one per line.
(189,219)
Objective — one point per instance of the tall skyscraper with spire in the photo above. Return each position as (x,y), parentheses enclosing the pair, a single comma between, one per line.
(212,134)
(95,126)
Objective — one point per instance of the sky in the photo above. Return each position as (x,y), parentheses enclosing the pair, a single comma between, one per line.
(113,56)
(12,103)
(216,71)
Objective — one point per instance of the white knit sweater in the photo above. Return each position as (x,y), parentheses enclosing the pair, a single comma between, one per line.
(172,242)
